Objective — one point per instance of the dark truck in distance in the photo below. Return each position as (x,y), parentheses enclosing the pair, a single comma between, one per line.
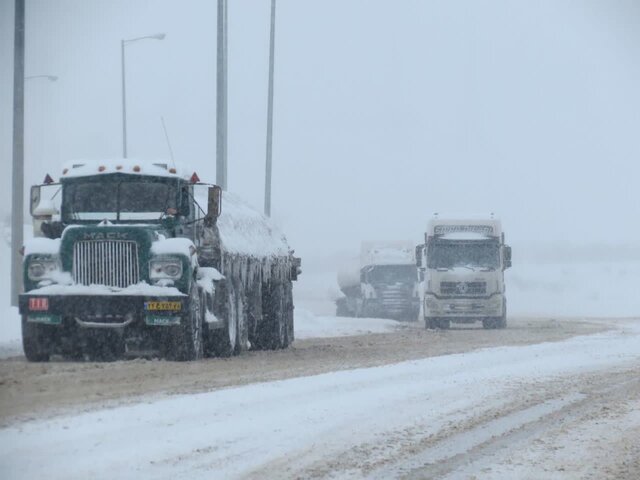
(140,258)
(384,284)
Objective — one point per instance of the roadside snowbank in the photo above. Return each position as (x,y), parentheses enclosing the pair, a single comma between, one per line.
(10,335)
(308,325)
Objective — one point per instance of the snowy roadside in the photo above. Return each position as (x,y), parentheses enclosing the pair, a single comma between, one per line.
(343,423)
(308,325)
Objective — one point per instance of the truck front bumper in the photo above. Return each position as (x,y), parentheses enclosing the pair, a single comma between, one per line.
(406,310)
(106,311)
(464,308)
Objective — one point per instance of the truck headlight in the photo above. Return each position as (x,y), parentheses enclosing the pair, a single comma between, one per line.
(42,267)
(168,267)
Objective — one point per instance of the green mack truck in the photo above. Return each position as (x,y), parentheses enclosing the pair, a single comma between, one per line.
(135,258)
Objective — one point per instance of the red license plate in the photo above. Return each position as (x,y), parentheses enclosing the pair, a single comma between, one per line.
(38,304)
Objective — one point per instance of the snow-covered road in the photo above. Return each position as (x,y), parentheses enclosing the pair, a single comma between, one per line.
(458,415)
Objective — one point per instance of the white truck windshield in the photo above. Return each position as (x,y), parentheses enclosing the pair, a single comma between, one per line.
(472,254)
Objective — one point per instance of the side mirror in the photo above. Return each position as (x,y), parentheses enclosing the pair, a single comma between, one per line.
(419,250)
(507,256)
(214,204)
(35,198)
(43,203)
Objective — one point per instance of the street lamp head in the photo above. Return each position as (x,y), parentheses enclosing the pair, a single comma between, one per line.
(157,36)
(51,78)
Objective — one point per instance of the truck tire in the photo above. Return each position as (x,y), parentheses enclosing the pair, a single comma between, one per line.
(34,342)
(186,344)
(272,331)
(430,323)
(490,323)
(502,322)
(242,324)
(289,315)
(342,310)
(224,339)
(435,323)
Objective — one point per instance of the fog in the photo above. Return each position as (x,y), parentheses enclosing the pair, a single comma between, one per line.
(384,112)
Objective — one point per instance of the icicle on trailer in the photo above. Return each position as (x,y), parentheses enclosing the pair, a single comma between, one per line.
(134,258)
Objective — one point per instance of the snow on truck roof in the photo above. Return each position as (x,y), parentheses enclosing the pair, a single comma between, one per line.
(399,252)
(468,227)
(160,168)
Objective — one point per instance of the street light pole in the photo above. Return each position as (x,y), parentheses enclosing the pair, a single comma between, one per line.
(124,43)
(17,200)
(221,97)
(267,178)
(124,103)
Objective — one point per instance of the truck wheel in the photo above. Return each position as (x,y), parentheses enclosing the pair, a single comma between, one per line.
(435,323)
(289,315)
(341,308)
(502,323)
(242,324)
(271,332)
(224,339)
(487,323)
(34,342)
(444,324)
(187,339)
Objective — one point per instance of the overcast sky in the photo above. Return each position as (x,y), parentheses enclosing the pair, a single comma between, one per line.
(385,112)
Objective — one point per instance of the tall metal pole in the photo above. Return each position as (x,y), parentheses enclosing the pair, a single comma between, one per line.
(267,177)
(124,104)
(17,201)
(221,97)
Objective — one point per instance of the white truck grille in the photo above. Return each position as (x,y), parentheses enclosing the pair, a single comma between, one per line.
(106,262)
(463,288)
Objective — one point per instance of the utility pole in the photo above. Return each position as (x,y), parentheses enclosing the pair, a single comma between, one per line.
(17,201)
(267,177)
(221,97)
(124,102)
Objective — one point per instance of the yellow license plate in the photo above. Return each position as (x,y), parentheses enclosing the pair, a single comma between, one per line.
(164,306)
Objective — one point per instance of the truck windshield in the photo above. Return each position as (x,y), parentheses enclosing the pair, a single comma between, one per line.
(471,254)
(389,274)
(118,200)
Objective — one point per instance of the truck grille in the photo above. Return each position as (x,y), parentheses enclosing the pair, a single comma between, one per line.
(395,298)
(106,262)
(463,288)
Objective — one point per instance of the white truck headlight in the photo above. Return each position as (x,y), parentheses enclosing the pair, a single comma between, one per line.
(42,267)
(167,267)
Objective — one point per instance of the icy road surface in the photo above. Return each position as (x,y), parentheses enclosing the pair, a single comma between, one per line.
(568,409)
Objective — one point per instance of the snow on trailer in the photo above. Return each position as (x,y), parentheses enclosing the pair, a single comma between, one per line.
(141,257)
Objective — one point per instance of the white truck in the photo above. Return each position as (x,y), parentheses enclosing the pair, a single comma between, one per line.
(462,265)
(384,284)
